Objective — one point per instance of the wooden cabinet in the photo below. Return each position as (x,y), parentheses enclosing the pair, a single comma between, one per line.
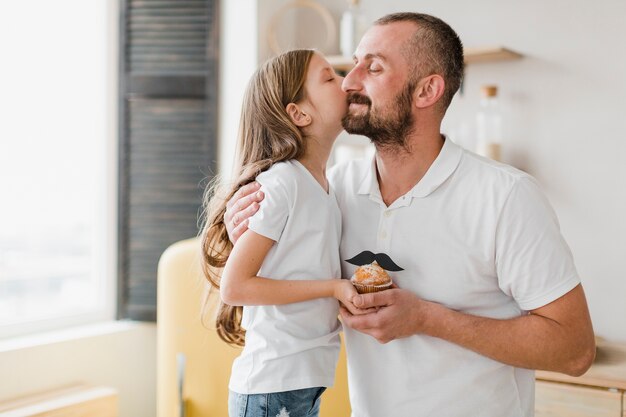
(80,400)
(554,399)
(598,393)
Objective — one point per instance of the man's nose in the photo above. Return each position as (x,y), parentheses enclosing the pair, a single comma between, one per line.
(352,81)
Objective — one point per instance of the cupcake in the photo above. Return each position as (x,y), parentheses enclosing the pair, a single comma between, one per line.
(370,278)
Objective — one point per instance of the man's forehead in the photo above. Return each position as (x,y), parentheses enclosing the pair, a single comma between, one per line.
(385,40)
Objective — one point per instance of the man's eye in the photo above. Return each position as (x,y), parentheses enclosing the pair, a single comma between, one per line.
(374,69)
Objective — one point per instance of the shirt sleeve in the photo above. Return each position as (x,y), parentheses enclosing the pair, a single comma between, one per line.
(534,264)
(271,218)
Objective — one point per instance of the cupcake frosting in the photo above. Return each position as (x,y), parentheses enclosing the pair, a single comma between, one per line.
(371,274)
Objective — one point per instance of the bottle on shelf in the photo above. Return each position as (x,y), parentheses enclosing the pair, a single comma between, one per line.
(489,124)
(351,28)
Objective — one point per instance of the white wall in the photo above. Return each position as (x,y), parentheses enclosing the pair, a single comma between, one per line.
(238,51)
(120,355)
(565,117)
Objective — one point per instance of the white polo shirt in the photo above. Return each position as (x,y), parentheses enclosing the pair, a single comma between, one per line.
(293,346)
(474,235)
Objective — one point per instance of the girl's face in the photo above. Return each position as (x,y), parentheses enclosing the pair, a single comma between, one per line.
(326,101)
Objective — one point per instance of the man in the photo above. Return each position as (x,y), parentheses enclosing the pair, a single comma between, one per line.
(489,290)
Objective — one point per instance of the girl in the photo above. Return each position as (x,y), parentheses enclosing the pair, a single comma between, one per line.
(285,269)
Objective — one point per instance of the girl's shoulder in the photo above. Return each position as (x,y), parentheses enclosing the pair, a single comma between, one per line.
(281,175)
(279,168)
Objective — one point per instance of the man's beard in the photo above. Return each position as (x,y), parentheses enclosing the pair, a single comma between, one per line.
(388,128)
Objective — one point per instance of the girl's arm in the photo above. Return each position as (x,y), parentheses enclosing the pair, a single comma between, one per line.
(241,286)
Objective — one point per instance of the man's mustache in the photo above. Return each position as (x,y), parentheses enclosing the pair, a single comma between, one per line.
(367,257)
(357,98)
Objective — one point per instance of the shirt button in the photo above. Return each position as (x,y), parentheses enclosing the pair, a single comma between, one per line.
(388,213)
(383,235)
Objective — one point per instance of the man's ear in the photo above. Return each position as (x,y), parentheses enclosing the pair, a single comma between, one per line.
(429,90)
(298,117)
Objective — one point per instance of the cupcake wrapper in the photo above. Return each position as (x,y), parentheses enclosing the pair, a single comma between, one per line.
(364,289)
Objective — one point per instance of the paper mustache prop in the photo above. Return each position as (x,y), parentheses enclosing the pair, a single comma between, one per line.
(367,257)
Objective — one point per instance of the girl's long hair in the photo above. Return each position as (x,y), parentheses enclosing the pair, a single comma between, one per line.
(266,135)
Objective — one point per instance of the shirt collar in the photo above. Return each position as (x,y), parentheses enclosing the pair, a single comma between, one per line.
(441,169)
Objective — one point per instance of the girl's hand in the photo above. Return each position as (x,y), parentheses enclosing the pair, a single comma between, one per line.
(345,292)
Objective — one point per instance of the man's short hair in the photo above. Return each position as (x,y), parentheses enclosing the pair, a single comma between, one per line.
(434,49)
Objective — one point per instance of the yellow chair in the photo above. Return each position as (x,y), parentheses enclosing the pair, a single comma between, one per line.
(193,364)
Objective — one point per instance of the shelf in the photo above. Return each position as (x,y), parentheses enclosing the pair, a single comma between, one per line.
(493,54)
(472,56)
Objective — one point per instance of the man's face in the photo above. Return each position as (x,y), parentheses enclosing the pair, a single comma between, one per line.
(379,87)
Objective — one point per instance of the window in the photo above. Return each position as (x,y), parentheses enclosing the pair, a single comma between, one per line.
(57,165)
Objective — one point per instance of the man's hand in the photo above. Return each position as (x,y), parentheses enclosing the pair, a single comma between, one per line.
(243,204)
(557,337)
(345,292)
(399,313)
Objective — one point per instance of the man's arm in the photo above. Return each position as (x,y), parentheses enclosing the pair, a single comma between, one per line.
(556,337)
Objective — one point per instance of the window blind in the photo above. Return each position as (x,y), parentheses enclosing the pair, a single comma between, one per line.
(168,133)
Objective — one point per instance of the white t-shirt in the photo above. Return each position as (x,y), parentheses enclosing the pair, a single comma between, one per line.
(474,235)
(293,346)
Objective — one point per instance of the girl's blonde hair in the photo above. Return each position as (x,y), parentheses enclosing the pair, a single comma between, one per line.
(266,135)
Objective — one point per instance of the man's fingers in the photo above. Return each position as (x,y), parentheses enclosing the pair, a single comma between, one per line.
(376,299)
(246,213)
(238,210)
(361,322)
(357,311)
(238,231)
(351,308)
(236,217)
(360,311)
(346,316)
(243,192)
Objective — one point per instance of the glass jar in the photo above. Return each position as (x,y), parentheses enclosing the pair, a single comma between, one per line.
(489,124)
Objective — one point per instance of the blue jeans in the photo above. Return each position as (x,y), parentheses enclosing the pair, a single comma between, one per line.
(296,403)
